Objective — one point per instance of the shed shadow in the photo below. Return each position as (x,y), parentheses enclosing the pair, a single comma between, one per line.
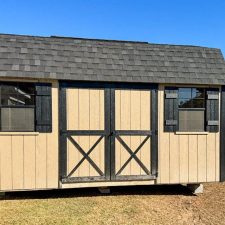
(94,192)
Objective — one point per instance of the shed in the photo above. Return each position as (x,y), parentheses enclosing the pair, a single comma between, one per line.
(78,112)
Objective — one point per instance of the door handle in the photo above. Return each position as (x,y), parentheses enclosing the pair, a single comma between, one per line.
(112,133)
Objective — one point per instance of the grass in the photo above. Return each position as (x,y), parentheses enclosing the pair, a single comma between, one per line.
(125,205)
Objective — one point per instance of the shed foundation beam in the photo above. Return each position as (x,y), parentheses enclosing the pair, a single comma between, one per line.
(104,190)
(2,195)
(196,188)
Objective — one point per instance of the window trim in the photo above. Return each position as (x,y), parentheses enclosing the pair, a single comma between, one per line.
(19,133)
(192,132)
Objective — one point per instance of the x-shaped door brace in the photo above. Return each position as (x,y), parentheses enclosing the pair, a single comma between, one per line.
(85,156)
(133,155)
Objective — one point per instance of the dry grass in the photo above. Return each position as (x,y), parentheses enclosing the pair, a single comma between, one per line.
(127,205)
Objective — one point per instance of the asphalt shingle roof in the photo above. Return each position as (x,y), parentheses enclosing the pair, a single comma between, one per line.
(102,60)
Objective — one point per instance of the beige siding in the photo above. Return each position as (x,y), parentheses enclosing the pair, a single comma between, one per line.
(202,154)
(6,163)
(186,157)
(30,160)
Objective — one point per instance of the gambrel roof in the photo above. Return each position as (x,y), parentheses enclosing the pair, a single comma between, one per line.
(104,60)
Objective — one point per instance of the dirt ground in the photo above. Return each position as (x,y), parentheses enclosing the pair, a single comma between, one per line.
(125,205)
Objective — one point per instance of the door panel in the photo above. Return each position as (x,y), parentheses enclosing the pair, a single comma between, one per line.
(132,116)
(85,109)
(107,133)
(122,155)
(132,110)
(85,135)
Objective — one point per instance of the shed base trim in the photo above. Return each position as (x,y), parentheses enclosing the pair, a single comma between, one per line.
(106,184)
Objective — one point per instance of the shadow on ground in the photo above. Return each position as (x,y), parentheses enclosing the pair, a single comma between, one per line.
(91,192)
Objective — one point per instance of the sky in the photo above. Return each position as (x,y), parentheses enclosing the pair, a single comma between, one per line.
(188,22)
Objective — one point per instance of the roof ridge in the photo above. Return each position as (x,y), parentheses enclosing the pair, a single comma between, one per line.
(75,38)
(110,40)
(184,45)
(98,39)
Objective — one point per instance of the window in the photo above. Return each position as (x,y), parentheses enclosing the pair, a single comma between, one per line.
(191,109)
(17,106)
(191,106)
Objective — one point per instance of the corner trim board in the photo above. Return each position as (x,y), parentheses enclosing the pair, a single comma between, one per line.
(222,135)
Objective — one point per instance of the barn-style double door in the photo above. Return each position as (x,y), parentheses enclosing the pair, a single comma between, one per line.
(107,132)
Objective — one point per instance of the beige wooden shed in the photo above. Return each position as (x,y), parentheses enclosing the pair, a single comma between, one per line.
(92,113)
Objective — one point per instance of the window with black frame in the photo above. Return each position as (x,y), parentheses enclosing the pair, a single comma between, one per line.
(191,109)
(17,106)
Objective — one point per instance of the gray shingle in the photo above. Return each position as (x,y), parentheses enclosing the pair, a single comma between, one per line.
(101,60)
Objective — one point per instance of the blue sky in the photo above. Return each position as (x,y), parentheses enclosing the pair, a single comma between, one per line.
(193,22)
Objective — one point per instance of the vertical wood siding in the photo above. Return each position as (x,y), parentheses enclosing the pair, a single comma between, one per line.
(85,111)
(186,158)
(132,112)
(30,161)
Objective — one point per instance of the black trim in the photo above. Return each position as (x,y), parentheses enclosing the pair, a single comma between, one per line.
(104,85)
(107,133)
(69,180)
(135,177)
(132,132)
(112,137)
(222,135)
(83,132)
(99,179)
(62,136)
(154,128)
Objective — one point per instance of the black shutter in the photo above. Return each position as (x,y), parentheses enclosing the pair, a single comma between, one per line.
(171,109)
(43,107)
(212,109)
